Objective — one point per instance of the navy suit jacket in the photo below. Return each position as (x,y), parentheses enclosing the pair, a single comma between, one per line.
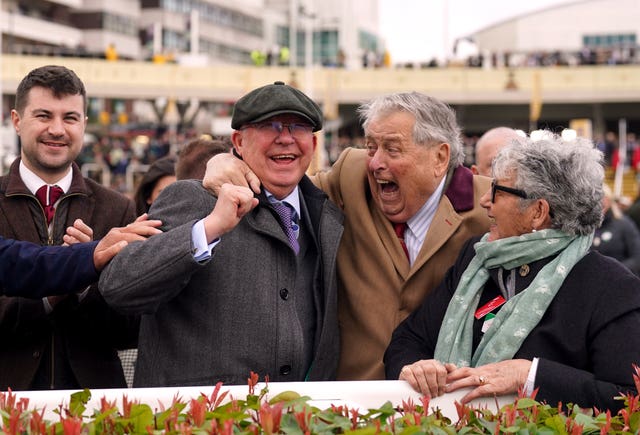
(34,271)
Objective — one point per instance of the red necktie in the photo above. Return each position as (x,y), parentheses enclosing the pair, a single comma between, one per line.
(399,228)
(48,195)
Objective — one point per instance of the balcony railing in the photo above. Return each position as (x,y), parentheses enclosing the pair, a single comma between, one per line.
(456,85)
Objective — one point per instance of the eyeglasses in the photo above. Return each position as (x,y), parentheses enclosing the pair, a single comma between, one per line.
(511,190)
(275,128)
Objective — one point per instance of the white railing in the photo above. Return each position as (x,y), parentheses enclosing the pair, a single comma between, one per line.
(361,395)
(97,171)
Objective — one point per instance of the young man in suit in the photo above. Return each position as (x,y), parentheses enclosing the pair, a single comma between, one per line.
(67,341)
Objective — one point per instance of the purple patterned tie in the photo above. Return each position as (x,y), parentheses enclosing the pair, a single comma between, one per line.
(284,210)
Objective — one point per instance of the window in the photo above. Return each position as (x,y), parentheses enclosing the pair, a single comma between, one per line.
(609,40)
(217,15)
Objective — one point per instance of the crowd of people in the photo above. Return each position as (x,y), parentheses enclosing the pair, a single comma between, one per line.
(616,55)
(398,262)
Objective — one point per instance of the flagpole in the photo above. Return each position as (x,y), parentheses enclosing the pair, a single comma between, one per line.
(622,157)
(535,105)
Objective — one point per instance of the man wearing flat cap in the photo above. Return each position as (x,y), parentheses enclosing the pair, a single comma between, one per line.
(240,283)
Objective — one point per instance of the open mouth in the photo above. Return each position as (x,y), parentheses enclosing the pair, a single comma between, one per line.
(283,158)
(387,187)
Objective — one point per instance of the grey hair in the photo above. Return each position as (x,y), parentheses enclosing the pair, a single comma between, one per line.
(568,174)
(435,120)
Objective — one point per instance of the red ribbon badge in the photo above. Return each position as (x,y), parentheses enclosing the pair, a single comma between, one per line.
(489,307)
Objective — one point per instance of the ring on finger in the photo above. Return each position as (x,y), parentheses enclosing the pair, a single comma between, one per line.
(482,380)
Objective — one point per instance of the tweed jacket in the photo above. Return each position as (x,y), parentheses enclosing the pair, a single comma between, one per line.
(220,319)
(84,332)
(586,340)
(23,264)
(377,288)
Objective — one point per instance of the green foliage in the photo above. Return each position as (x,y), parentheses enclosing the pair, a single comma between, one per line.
(292,414)
(78,402)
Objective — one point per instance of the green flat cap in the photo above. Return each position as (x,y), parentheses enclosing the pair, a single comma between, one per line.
(271,100)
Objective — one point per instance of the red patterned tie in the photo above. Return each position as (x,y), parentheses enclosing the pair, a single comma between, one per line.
(48,195)
(399,229)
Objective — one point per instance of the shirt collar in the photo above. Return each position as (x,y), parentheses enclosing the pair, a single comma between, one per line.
(419,223)
(293,199)
(34,182)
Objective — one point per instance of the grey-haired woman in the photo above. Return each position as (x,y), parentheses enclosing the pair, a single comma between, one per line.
(528,306)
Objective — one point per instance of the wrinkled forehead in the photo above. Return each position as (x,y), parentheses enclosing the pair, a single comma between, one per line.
(391,124)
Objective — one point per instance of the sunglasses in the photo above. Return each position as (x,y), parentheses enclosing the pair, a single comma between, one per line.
(495,187)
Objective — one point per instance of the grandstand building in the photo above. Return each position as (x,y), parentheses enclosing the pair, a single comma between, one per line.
(217,31)
(575,33)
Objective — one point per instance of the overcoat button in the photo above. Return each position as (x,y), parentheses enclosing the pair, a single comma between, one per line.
(285,369)
(284,294)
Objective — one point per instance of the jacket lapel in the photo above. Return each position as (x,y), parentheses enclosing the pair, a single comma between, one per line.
(457,197)
(263,219)
(19,201)
(445,223)
(390,241)
(83,208)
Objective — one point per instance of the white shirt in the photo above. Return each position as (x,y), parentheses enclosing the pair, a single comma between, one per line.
(34,182)
(419,223)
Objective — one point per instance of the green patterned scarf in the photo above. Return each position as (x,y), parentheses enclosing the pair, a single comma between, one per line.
(521,313)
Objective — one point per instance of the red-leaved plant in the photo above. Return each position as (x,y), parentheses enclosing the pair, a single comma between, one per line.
(291,414)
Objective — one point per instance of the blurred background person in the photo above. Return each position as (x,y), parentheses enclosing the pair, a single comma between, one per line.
(633,211)
(529,306)
(160,174)
(617,237)
(488,146)
(193,158)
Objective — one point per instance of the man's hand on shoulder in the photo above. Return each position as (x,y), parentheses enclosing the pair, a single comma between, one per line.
(117,238)
(226,168)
